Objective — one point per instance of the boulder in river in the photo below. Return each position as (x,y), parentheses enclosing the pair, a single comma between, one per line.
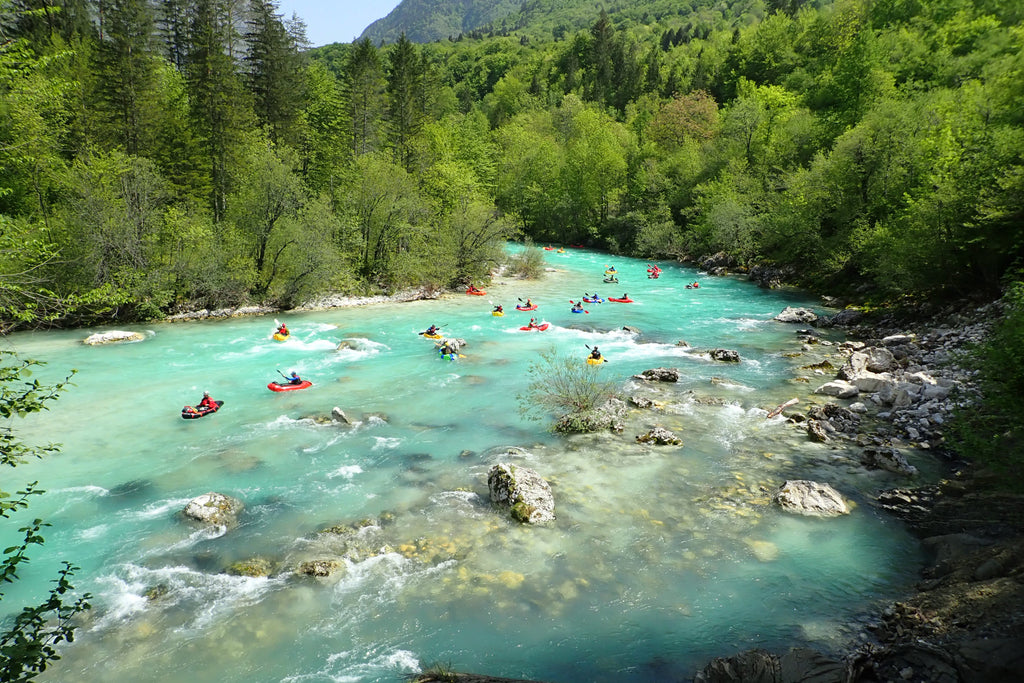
(791,314)
(724,355)
(113,337)
(524,492)
(214,508)
(810,498)
(659,436)
(659,375)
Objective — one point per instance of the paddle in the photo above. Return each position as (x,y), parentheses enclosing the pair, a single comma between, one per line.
(574,304)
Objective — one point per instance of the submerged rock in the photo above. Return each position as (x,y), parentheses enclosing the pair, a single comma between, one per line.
(659,375)
(659,436)
(810,498)
(113,337)
(214,508)
(319,568)
(724,355)
(524,492)
(255,567)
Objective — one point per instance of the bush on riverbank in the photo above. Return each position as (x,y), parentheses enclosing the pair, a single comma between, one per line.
(990,431)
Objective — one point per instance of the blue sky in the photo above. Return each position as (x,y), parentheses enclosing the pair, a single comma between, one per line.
(336,21)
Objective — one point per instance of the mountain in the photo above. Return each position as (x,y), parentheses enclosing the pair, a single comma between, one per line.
(425,21)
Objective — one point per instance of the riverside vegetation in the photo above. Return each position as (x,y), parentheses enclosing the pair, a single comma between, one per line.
(197,154)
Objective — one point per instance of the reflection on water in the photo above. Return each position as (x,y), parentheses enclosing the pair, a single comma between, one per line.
(659,558)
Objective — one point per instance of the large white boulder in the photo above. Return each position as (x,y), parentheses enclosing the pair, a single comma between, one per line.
(113,337)
(810,498)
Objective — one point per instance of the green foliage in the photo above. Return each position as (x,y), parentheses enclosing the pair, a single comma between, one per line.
(564,385)
(28,645)
(990,430)
(151,169)
(527,263)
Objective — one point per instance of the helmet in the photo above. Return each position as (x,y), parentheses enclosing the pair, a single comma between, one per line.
(206,393)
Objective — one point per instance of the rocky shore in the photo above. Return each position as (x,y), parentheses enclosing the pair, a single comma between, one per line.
(965,619)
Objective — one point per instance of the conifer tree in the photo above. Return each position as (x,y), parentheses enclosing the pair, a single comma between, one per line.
(125,70)
(275,72)
(218,107)
(404,102)
(365,91)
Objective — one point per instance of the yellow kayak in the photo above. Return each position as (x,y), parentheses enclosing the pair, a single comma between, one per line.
(280,337)
(431,336)
(497,314)
(594,361)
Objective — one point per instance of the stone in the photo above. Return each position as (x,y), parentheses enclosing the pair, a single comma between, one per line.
(879,359)
(659,436)
(339,415)
(523,492)
(113,337)
(659,375)
(319,568)
(791,314)
(810,498)
(838,388)
(214,508)
(816,430)
(888,458)
(630,329)
(725,355)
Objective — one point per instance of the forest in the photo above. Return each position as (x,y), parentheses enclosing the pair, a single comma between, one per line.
(184,154)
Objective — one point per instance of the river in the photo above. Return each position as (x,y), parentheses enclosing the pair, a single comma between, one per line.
(660,557)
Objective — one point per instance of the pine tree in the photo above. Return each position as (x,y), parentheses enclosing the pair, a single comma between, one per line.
(365,92)
(218,107)
(125,70)
(275,72)
(405,99)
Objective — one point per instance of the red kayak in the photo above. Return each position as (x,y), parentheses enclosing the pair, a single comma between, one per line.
(526,308)
(539,328)
(620,301)
(476,292)
(278,386)
(190,413)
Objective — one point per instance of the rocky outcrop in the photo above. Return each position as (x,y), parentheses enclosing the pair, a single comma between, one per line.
(761,666)
(716,264)
(659,375)
(319,569)
(607,416)
(631,329)
(113,337)
(796,315)
(659,436)
(724,355)
(523,492)
(338,415)
(888,458)
(214,508)
(810,498)
(255,567)
(769,276)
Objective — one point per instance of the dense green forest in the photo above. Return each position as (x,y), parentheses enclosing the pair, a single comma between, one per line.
(196,153)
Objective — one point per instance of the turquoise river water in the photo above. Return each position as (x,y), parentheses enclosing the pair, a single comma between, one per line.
(660,557)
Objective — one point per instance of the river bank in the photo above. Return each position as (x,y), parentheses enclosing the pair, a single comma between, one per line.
(965,619)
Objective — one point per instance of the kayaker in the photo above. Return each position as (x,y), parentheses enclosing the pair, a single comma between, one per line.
(533,322)
(595,354)
(294,378)
(431,330)
(207,402)
(498,309)
(283,330)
